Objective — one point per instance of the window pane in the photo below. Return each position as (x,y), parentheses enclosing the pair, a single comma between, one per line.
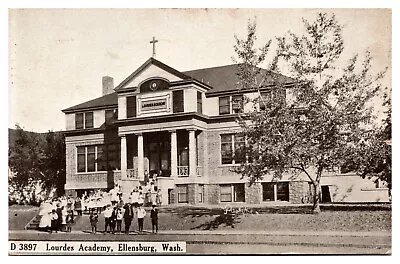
(79,121)
(81,163)
(283,191)
(182,193)
(226,149)
(224,105)
(199,103)
(101,159)
(177,101)
(201,193)
(226,193)
(239,194)
(268,191)
(131,106)
(240,151)
(89,120)
(90,162)
(237,103)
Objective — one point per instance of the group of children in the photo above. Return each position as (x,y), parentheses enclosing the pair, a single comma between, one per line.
(115,214)
(57,215)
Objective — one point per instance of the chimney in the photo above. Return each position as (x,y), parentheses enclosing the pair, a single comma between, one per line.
(108,85)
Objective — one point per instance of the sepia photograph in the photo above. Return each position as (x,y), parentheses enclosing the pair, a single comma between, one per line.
(199,131)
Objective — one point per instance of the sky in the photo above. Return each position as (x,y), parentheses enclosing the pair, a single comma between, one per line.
(57,57)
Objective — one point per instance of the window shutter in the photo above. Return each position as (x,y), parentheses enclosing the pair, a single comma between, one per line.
(131,106)
(177,101)
(199,103)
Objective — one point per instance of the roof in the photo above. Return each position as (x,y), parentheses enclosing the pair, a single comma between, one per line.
(220,79)
(224,78)
(104,101)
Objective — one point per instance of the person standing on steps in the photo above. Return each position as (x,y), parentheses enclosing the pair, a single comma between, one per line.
(107,218)
(154,218)
(141,213)
(128,216)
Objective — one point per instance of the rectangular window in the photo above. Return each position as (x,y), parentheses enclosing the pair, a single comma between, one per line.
(226,193)
(131,106)
(182,193)
(84,120)
(226,149)
(177,101)
(199,103)
(90,158)
(89,120)
(237,104)
(268,191)
(265,99)
(201,193)
(232,149)
(79,121)
(279,190)
(224,105)
(232,192)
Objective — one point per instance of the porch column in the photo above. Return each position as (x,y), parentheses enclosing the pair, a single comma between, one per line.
(123,157)
(192,154)
(174,154)
(140,168)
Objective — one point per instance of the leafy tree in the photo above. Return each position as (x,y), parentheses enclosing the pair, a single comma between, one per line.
(53,162)
(375,152)
(37,165)
(326,115)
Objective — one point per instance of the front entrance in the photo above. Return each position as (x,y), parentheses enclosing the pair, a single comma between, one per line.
(157,149)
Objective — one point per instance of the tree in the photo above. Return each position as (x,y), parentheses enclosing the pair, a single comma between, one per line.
(375,153)
(37,165)
(24,163)
(320,126)
(53,162)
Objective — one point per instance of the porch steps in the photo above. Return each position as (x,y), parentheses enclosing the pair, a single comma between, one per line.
(33,224)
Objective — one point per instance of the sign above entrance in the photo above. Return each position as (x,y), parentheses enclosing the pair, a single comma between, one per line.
(150,105)
(153,85)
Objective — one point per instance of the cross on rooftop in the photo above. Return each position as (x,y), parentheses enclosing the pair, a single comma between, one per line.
(154,41)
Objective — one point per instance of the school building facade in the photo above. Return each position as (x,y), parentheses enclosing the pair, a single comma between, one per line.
(179,130)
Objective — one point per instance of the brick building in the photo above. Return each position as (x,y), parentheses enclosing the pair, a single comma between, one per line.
(176,128)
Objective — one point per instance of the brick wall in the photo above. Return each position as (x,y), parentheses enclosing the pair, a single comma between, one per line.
(297,190)
(213,192)
(192,193)
(253,193)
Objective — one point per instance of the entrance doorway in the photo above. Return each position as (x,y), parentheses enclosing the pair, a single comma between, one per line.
(325,194)
(158,151)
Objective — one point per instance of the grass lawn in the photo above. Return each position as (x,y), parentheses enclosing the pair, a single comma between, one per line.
(19,216)
(333,218)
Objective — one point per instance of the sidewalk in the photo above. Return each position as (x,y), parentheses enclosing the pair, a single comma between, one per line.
(239,232)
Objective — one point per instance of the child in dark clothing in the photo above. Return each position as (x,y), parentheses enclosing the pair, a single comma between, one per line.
(94,218)
(69,221)
(154,218)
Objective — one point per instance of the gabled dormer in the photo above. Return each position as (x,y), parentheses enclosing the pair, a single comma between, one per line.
(157,89)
